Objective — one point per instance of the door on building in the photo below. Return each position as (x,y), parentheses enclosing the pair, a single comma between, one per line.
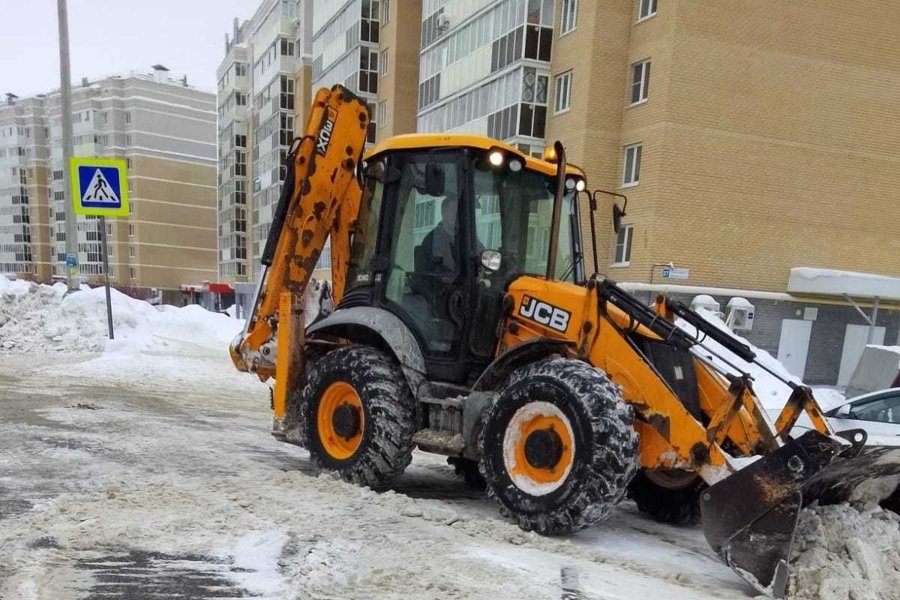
(793,345)
(855,340)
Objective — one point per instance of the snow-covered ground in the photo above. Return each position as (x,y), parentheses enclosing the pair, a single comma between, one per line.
(144,468)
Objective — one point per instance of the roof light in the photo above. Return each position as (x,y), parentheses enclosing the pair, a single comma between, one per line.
(515,165)
(580,185)
(496,158)
(570,183)
(550,154)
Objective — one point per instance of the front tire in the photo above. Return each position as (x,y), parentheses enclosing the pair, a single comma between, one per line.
(358,415)
(558,446)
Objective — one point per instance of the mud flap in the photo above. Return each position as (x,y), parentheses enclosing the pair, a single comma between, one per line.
(749,518)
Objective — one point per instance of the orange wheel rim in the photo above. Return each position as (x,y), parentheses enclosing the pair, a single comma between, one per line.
(540,425)
(340,420)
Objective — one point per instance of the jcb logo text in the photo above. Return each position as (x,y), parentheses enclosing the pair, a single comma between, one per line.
(545,314)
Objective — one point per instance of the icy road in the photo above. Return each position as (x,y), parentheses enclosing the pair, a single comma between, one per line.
(154,476)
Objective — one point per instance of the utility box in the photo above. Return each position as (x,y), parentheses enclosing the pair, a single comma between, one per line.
(740,314)
(705,302)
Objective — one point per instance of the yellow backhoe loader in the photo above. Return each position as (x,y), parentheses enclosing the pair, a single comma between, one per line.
(465,324)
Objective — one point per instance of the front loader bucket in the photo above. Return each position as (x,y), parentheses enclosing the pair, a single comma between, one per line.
(749,517)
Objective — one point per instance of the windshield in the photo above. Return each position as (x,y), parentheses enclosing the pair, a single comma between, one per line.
(513,213)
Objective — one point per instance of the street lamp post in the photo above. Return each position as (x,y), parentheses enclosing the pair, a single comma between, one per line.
(65,94)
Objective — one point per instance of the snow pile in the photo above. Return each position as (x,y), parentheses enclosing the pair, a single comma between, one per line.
(843,552)
(37,318)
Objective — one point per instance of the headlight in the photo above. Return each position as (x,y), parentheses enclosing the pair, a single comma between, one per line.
(580,185)
(496,158)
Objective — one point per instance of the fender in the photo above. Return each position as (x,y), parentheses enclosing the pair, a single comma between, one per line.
(377,326)
(520,355)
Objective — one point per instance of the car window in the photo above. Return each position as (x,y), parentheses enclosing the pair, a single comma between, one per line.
(882,410)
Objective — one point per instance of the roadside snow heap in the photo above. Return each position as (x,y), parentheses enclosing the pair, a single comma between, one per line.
(37,318)
(845,552)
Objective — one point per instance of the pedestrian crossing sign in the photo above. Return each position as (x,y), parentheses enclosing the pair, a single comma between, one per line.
(97,186)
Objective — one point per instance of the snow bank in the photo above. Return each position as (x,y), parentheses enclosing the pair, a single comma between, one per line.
(38,318)
(843,552)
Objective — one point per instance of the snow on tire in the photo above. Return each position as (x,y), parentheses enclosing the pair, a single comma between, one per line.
(358,415)
(558,446)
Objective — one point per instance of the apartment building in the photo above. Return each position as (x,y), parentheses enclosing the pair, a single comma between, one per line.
(165,129)
(24,188)
(485,68)
(262,101)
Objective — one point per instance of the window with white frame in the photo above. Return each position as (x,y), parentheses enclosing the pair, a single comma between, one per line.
(569,16)
(131,251)
(631,173)
(384,62)
(382,113)
(640,81)
(385,12)
(646,9)
(563,92)
(622,251)
(130,229)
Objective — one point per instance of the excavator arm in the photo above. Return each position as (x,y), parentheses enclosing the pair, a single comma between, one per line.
(320,199)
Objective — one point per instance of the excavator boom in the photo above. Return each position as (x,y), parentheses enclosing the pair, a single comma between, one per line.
(320,198)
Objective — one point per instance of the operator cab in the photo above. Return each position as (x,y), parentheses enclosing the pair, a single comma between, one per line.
(459,217)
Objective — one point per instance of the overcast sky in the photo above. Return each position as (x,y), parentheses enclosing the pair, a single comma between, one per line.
(114,36)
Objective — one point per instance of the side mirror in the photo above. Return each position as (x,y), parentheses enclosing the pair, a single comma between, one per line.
(491,260)
(843,411)
(618,213)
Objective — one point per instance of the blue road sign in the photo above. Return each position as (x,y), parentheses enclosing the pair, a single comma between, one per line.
(97,186)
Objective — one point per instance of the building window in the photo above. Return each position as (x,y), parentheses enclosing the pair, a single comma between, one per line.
(128,117)
(287,47)
(240,98)
(130,206)
(127,140)
(131,251)
(385,12)
(369,24)
(240,69)
(131,272)
(622,253)
(370,129)
(569,16)
(131,230)
(384,62)
(563,98)
(368,70)
(382,113)
(128,162)
(646,9)
(631,174)
(640,81)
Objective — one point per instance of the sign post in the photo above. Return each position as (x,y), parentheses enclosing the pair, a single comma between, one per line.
(98,190)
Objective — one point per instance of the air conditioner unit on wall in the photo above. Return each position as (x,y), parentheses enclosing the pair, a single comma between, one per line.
(443,21)
(740,314)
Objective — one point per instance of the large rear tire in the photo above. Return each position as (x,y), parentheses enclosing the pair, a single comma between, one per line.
(668,497)
(358,415)
(558,446)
